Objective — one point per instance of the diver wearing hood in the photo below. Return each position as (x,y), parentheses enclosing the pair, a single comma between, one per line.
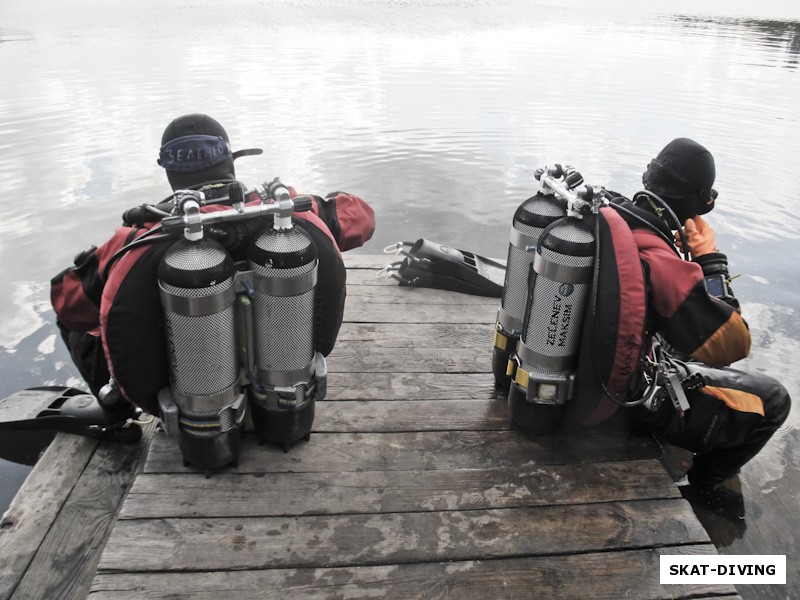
(107,305)
(724,416)
(683,174)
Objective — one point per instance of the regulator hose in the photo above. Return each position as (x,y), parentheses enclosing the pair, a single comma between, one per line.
(673,216)
(669,241)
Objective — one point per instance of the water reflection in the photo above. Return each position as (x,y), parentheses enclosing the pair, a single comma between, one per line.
(781,38)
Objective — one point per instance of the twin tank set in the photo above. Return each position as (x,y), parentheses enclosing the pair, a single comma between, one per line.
(549,272)
(240,337)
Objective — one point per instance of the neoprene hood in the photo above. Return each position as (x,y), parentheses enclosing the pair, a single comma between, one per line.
(682,174)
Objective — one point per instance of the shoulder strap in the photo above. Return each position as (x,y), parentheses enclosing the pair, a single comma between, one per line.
(331,287)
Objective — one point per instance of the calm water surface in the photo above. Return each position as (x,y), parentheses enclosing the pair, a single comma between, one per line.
(435,112)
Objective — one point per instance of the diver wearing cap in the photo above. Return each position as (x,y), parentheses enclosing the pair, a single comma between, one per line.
(107,305)
(724,416)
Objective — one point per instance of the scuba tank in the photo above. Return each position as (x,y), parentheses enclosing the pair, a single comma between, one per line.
(530,219)
(543,367)
(212,328)
(196,280)
(289,374)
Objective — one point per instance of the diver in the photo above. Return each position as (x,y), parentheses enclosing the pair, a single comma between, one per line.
(107,304)
(723,416)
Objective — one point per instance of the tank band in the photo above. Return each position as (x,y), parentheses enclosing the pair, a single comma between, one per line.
(522,240)
(199,306)
(214,425)
(543,361)
(512,325)
(211,403)
(561,273)
(285,378)
(286,286)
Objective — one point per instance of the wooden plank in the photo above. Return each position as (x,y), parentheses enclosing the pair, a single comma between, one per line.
(355,260)
(373,539)
(387,312)
(409,297)
(413,485)
(367,277)
(286,494)
(606,576)
(416,335)
(66,561)
(412,348)
(416,451)
(412,386)
(36,505)
(411,415)
(359,358)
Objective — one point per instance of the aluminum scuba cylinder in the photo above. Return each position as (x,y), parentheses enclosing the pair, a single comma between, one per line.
(290,375)
(530,219)
(196,280)
(563,267)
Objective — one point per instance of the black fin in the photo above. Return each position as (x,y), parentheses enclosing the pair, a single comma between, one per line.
(55,408)
(432,265)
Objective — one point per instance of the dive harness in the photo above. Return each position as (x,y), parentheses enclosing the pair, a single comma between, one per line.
(663,382)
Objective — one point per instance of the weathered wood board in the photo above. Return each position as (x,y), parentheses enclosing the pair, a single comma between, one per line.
(53,532)
(412,485)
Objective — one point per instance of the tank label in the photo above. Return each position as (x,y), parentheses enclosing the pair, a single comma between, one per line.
(561,314)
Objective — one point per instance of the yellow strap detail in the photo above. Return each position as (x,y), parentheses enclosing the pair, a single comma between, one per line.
(500,341)
(200,424)
(522,377)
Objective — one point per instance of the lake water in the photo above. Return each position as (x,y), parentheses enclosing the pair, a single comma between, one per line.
(437,113)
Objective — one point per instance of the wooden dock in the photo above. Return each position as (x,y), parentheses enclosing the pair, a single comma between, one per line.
(412,485)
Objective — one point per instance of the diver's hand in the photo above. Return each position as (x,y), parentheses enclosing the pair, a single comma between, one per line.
(699,235)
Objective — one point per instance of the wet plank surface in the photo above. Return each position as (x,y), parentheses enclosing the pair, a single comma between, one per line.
(412,485)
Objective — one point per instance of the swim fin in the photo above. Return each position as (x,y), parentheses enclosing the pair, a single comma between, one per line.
(429,264)
(56,408)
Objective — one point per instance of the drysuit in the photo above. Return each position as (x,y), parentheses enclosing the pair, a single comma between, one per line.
(108,308)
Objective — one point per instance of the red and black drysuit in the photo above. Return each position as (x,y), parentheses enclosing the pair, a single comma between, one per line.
(735,413)
(109,311)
